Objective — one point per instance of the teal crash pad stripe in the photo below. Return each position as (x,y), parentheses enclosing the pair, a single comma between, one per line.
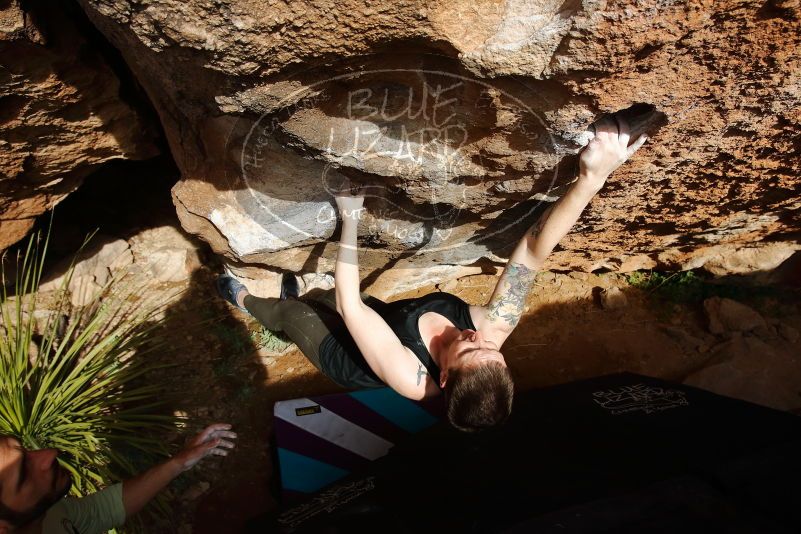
(401,411)
(304,474)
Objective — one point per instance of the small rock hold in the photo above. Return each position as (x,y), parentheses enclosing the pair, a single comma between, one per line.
(546,277)
(613,298)
(577,275)
(726,315)
(687,341)
(766,332)
(171,264)
(789,333)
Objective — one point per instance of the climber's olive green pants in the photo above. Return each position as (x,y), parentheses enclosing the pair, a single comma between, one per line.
(306,321)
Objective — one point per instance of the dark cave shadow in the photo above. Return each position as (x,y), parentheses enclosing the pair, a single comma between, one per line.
(69,36)
(117,201)
(66,28)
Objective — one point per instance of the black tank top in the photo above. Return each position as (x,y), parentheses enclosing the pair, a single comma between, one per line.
(342,361)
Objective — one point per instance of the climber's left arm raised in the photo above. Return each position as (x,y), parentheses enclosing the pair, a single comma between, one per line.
(605,153)
(394,364)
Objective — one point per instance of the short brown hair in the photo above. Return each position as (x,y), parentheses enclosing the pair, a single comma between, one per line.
(480,397)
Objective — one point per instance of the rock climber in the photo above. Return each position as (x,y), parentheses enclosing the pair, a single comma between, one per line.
(33,486)
(423,346)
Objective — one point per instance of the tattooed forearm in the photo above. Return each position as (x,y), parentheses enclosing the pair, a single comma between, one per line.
(509,300)
(421,372)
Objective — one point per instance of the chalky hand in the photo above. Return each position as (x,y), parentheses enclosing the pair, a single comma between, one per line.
(607,151)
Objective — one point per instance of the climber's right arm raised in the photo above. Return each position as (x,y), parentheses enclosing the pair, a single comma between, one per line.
(605,153)
(379,345)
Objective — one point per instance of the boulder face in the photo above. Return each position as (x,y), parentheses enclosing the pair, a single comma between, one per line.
(462,121)
(61,114)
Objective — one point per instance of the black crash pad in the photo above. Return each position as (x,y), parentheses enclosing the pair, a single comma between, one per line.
(620,453)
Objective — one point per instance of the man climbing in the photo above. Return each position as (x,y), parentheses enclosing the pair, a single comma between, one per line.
(437,342)
(33,486)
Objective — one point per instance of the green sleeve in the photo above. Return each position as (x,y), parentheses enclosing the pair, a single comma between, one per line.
(95,514)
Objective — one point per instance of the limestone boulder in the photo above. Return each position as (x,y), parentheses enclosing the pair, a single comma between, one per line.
(91,270)
(463,119)
(750,369)
(727,315)
(61,113)
(165,254)
(612,298)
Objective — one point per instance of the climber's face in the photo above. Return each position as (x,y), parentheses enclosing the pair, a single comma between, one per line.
(30,481)
(469,349)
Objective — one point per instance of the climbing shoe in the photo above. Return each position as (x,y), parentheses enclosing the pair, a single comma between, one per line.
(229,287)
(289,286)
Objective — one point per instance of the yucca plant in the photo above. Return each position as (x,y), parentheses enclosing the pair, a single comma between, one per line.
(77,382)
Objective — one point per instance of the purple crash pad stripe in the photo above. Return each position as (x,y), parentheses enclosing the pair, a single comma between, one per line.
(354,411)
(295,439)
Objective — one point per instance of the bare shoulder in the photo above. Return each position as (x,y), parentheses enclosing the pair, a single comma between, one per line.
(413,380)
